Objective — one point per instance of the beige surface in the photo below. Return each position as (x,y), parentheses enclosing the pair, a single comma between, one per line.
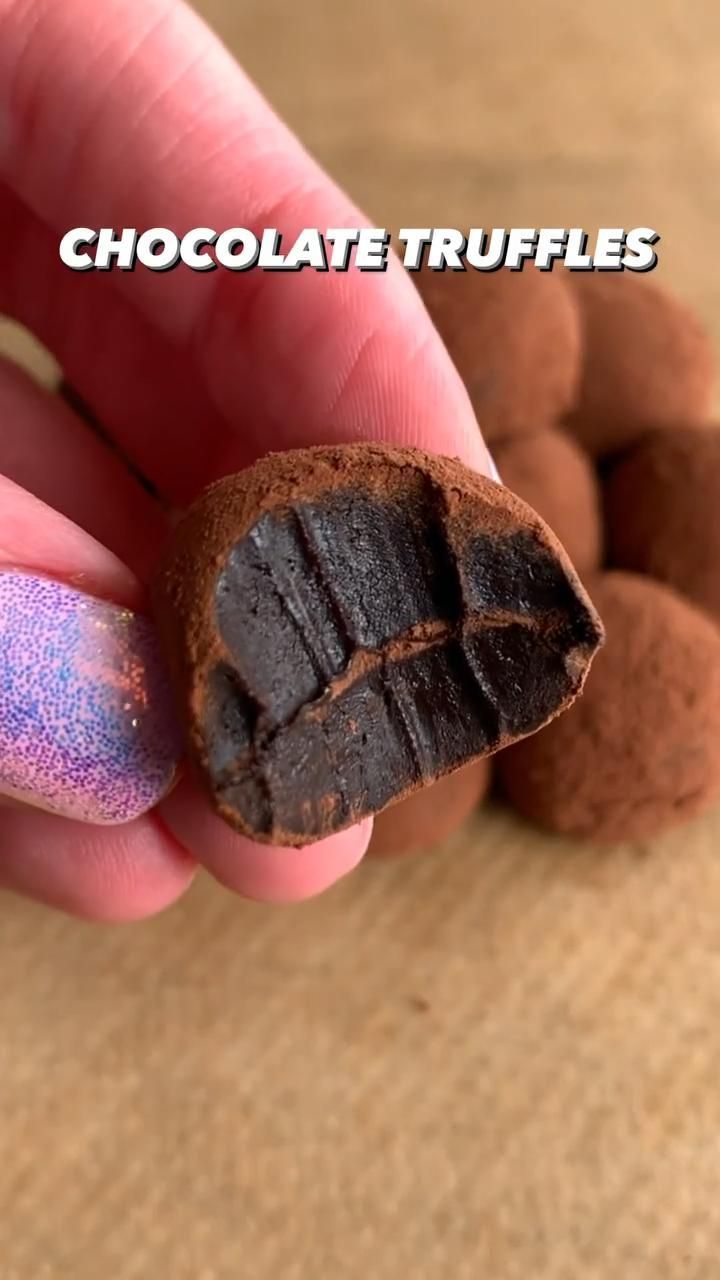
(500,1061)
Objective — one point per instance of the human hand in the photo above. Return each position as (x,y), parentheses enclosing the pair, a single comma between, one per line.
(131,113)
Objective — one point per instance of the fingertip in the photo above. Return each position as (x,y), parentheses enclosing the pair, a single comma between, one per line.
(265,873)
(110,875)
(276,875)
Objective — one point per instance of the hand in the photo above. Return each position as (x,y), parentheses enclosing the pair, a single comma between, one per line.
(131,113)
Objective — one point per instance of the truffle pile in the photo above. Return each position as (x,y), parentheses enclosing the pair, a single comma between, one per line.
(595,392)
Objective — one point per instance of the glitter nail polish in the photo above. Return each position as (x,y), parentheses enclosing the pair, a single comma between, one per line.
(86,725)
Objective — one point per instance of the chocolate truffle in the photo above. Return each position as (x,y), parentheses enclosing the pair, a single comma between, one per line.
(514,337)
(555,476)
(345,625)
(648,362)
(640,750)
(662,503)
(432,814)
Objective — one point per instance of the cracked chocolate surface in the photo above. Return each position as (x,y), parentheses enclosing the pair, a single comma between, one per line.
(346,625)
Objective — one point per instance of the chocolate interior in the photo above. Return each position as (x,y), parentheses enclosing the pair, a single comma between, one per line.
(368,651)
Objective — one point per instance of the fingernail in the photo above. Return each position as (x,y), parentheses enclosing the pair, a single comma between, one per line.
(494,473)
(86,725)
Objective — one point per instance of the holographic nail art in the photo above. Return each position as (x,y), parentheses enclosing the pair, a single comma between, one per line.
(86,726)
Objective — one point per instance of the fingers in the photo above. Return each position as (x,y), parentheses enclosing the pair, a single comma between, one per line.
(154,116)
(131,114)
(85,722)
(147,396)
(125,873)
(67,740)
(33,536)
(264,872)
(47,450)
(159,125)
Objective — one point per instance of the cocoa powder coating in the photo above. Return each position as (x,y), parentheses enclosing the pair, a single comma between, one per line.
(346,625)
(514,337)
(647,363)
(555,476)
(662,505)
(639,752)
(432,814)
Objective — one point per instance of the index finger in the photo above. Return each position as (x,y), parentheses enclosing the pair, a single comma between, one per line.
(133,114)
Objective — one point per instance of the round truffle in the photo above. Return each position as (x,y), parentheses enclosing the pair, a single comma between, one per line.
(662,504)
(514,337)
(640,750)
(346,625)
(432,815)
(648,362)
(556,477)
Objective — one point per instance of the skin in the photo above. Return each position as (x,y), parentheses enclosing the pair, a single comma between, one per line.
(131,113)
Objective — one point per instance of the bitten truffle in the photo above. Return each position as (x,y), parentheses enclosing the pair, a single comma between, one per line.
(647,365)
(345,625)
(662,503)
(432,814)
(555,476)
(514,337)
(640,750)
